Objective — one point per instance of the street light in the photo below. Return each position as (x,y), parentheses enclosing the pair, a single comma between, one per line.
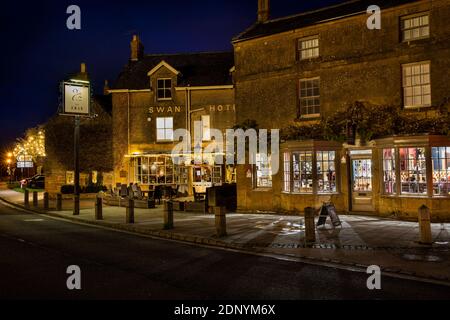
(8,161)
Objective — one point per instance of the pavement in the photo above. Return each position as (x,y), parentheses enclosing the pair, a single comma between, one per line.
(361,241)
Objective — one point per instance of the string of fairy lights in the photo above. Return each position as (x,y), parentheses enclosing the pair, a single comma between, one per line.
(32,145)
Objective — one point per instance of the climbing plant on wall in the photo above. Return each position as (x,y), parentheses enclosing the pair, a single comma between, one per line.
(368,122)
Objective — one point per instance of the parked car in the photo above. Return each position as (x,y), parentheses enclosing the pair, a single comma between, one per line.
(35,182)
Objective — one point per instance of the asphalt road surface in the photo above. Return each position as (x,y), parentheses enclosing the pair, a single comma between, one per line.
(35,252)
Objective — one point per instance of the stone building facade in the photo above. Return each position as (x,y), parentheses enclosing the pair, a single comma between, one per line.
(300,69)
(157,94)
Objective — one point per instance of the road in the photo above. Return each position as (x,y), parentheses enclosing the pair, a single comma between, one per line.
(35,252)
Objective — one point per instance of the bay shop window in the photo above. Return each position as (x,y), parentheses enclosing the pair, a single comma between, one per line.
(416,169)
(154,170)
(309,172)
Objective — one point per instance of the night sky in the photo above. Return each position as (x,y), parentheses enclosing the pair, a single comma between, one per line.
(38,50)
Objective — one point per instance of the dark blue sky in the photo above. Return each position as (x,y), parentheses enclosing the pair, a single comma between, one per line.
(38,50)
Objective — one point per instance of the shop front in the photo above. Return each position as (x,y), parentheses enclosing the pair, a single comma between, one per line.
(182,172)
(387,177)
(415,170)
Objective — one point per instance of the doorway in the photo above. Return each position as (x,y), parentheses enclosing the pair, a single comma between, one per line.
(361,183)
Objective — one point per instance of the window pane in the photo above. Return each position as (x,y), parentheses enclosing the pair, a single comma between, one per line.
(302,172)
(413,171)
(441,171)
(168,122)
(263,171)
(159,123)
(326,171)
(160,134)
(287,172)
(389,171)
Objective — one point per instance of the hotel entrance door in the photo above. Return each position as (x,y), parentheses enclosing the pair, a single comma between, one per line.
(361,166)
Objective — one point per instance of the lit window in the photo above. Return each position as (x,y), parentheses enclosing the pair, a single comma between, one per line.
(164,89)
(154,170)
(389,171)
(326,171)
(416,27)
(310,97)
(70,177)
(217,175)
(302,166)
(413,171)
(287,172)
(417,85)
(263,171)
(441,171)
(362,175)
(308,48)
(164,128)
(94,177)
(206,132)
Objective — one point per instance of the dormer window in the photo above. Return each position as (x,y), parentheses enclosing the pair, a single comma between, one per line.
(164,89)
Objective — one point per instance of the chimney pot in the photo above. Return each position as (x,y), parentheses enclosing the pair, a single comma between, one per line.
(83,67)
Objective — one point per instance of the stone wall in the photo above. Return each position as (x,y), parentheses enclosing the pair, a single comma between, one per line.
(355,64)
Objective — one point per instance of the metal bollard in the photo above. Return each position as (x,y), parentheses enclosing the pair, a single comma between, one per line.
(58,202)
(98,208)
(168,215)
(46,203)
(425,225)
(130,211)
(26,200)
(76,205)
(35,199)
(310,227)
(221,221)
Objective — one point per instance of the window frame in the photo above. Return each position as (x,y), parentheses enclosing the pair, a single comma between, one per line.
(164,89)
(314,170)
(421,86)
(393,169)
(301,99)
(411,17)
(147,168)
(165,129)
(446,158)
(300,50)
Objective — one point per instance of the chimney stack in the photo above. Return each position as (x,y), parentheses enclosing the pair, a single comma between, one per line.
(263,10)
(106,88)
(83,68)
(137,48)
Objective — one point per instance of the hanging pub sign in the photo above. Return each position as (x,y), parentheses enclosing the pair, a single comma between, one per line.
(75,98)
